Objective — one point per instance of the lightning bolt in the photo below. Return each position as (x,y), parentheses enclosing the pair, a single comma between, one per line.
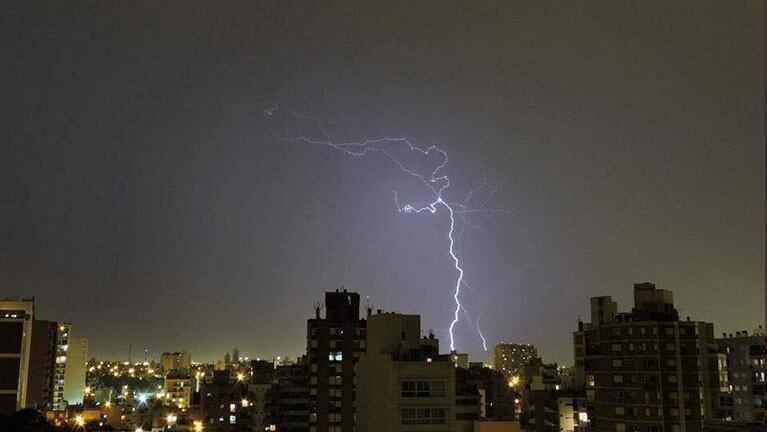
(435,181)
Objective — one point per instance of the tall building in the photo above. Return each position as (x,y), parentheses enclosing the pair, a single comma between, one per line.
(511,358)
(178,389)
(170,361)
(43,360)
(541,391)
(225,405)
(745,369)
(60,368)
(75,368)
(287,400)
(334,344)
(408,385)
(261,380)
(16,319)
(646,370)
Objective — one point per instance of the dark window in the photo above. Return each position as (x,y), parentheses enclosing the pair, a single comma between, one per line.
(10,337)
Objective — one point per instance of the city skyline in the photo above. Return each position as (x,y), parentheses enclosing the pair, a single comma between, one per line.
(147,196)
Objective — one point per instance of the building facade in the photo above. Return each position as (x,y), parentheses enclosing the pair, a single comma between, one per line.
(408,385)
(646,370)
(334,344)
(225,405)
(511,358)
(745,360)
(43,361)
(170,361)
(287,404)
(16,319)
(178,389)
(75,367)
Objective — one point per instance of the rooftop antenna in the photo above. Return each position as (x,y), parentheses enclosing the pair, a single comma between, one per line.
(317,307)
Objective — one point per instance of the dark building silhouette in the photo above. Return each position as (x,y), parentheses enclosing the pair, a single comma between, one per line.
(262,376)
(226,405)
(261,372)
(334,344)
(42,364)
(496,396)
(646,370)
(287,402)
(16,318)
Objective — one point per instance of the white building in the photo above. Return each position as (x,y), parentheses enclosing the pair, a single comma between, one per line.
(75,369)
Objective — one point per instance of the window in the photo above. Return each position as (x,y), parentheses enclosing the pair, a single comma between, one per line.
(590,380)
(620,427)
(619,410)
(617,378)
(617,363)
(422,389)
(423,416)
(335,356)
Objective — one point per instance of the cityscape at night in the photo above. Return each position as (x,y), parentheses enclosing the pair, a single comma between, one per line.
(345,216)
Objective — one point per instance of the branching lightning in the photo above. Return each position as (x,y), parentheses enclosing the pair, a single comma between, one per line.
(435,181)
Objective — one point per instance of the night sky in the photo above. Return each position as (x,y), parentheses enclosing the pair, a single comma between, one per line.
(145,198)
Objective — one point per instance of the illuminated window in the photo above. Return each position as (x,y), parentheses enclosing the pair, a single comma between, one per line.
(590,380)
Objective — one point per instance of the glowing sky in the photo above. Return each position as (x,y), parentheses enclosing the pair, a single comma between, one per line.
(145,200)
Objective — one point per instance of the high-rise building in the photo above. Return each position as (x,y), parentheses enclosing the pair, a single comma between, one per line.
(178,389)
(334,344)
(262,376)
(745,357)
(408,385)
(60,369)
(287,404)
(75,370)
(16,319)
(180,360)
(646,370)
(225,405)
(511,358)
(43,361)
(541,390)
